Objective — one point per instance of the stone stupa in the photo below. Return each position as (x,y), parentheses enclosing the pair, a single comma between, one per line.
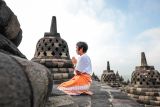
(145,84)
(109,77)
(52,51)
(118,78)
(95,77)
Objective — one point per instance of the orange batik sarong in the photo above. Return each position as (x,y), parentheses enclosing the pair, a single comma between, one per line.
(79,84)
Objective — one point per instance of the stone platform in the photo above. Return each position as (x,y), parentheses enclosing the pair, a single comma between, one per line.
(104,96)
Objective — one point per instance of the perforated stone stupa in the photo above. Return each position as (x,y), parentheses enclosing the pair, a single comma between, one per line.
(145,84)
(95,77)
(118,77)
(52,51)
(109,77)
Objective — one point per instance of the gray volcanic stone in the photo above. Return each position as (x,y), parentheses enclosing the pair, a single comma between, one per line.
(145,84)
(119,95)
(100,98)
(56,92)
(9,24)
(23,83)
(15,87)
(7,47)
(39,78)
(61,101)
(52,51)
(10,31)
(82,100)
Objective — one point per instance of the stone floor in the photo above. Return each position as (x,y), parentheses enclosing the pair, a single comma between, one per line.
(104,96)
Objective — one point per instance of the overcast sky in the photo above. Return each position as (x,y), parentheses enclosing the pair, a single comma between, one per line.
(115,30)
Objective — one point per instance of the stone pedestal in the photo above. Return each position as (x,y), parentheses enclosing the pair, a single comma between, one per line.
(52,51)
(145,84)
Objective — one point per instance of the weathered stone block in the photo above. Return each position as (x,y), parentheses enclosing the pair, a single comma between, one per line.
(9,24)
(15,88)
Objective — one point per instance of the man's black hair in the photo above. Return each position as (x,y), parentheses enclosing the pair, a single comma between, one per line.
(82,45)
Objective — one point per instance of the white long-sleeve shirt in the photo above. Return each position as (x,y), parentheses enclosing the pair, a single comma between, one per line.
(84,64)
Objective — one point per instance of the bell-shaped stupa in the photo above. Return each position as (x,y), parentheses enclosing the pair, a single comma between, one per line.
(52,51)
(95,77)
(145,84)
(109,77)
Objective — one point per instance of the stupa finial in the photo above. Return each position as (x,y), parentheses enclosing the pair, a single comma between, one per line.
(53,28)
(143,59)
(108,66)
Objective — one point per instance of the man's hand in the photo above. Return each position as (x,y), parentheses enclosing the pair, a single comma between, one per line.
(74,60)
